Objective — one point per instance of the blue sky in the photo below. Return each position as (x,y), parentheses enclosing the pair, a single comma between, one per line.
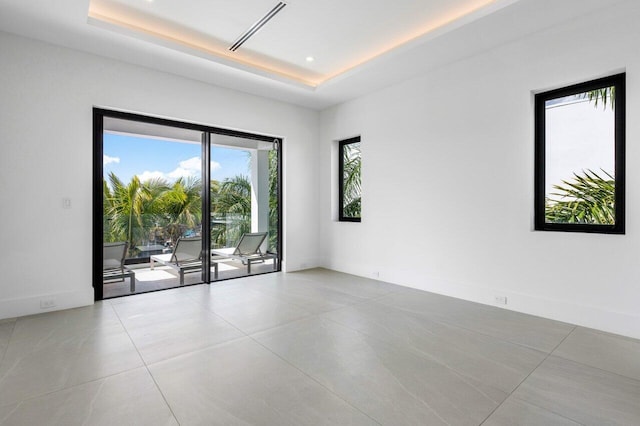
(127,156)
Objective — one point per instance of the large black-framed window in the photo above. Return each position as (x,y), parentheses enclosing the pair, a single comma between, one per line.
(580,157)
(349,180)
(208,134)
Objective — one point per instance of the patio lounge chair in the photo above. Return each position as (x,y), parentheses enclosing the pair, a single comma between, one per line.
(186,257)
(113,269)
(248,251)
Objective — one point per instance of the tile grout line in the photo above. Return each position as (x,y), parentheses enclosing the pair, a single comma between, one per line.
(317,315)
(613,373)
(6,349)
(248,335)
(65,386)
(547,410)
(502,339)
(431,358)
(4,353)
(197,296)
(314,380)
(592,366)
(364,299)
(310,314)
(146,367)
(373,299)
(411,349)
(529,375)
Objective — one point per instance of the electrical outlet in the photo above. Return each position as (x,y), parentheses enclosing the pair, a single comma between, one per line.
(500,300)
(48,303)
(66,203)
(375,274)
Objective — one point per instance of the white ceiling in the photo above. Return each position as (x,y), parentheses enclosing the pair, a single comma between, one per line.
(338,34)
(358,45)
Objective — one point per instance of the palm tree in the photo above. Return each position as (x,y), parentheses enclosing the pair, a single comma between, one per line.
(352,188)
(588,198)
(274,217)
(181,205)
(232,201)
(124,206)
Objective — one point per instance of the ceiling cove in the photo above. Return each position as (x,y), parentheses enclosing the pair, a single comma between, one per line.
(276,39)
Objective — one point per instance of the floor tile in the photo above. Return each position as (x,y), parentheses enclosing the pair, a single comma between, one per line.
(581,393)
(617,354)
(527,330)
(392,385)
(350,284)
(311,347)
(6,328)
(67,322)
(6,411)
(173,299)
(50,352)
(242,383)
(129,398)
(304,293)
(250,310)
(516,412)
(486,359)
(165,334)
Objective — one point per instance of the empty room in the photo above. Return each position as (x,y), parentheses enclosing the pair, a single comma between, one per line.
(269,212)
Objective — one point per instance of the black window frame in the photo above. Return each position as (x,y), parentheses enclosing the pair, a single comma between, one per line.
(341,145)
(617,80)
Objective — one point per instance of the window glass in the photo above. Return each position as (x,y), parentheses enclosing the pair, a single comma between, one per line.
(580,157)
(350,197)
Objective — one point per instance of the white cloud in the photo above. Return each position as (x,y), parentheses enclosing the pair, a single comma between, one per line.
(187,168)
(191,164)
(108,160)
(147,175)
(180,173)
(190,168)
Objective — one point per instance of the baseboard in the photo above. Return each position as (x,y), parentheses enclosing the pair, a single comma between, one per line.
(626,324)
(300,265)
(19,307)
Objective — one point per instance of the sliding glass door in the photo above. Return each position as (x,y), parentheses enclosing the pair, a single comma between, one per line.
(244,205)
(179,204)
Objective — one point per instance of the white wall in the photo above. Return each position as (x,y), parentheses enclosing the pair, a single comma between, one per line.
(46,99)
(448,165)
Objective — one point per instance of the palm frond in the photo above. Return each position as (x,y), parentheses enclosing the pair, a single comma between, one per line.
(588,198)
(604,95)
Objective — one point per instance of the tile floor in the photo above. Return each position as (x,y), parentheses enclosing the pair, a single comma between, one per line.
(310,348)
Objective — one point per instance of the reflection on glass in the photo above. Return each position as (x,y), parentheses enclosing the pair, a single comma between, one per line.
(580,158)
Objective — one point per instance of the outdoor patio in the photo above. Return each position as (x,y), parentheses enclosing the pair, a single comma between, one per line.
(163,277)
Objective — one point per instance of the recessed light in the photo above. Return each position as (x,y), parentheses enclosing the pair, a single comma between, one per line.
(310,59)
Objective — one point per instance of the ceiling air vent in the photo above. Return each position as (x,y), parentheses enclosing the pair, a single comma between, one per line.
(256,27)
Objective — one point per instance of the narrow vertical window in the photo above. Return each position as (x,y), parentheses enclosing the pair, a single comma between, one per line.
(350,191)
(580,134)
